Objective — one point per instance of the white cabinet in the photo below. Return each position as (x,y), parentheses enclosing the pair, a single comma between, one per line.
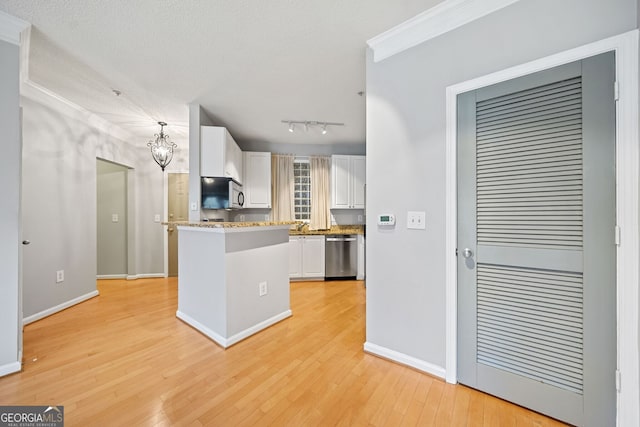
(348,178)
(295,257)
(361,258)
(306,257)
(219,153)
(257,180)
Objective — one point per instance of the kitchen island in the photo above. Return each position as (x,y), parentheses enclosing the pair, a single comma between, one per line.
(233,277)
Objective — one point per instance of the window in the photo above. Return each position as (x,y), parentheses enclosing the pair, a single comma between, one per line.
(302,189)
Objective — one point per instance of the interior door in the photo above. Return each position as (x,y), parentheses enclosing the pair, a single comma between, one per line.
(178,205)
(536,246)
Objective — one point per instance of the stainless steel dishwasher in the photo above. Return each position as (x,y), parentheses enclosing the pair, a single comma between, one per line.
(341,256)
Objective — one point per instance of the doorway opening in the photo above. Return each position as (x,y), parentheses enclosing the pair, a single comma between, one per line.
(177,210)
(112,222)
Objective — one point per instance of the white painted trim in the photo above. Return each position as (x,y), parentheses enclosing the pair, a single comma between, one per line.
(44,96)
(111,276)
(227,342)
(209,333)
(10,368)
(628,253)
(438,20)
(11,27)
(25,46)
(451,243)
(258,327)
(145,276)
(627,198)
(404,359)
(60,307)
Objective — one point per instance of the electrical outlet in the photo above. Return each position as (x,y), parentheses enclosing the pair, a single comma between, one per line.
(262,288)
(266,217)
(114,217)
(194,206)
(59,276)
(156,218)
(416,220)
(241,218)
(359,218)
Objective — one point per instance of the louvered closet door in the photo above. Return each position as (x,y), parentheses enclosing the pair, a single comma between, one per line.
(536,263)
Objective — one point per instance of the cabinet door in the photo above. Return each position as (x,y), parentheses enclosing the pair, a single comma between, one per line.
(238,162)
(313,256)
(212,146)
(295,257)
(340,182)
(358,179)
(257,179)
(361,256)
(232,166)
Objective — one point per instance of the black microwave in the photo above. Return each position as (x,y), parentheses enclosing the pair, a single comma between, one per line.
(221,193)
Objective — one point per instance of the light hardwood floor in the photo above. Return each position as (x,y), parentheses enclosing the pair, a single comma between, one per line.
(124,359)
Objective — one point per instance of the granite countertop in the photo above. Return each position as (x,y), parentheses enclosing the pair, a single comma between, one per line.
(217,224)
(297,228)
(335,229)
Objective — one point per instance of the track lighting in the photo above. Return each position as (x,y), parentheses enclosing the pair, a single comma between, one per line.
(309,124)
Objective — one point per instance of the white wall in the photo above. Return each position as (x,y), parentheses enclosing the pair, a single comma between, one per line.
(10,245)
(406,105)
(60,148)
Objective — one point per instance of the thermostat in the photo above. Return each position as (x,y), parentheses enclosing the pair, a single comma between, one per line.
(386,219)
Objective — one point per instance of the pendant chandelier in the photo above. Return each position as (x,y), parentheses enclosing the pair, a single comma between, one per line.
(162,148)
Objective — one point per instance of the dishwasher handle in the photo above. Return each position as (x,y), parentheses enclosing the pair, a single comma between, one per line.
(340,239)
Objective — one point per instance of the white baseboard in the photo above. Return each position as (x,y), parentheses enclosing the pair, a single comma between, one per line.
(59,307)
(258,327)
(146,276)
(227,342)
(10,368)
(404,359)
(219,339)
(111,276)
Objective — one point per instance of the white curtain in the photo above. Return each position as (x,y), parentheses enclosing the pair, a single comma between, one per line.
(282,187)
(320,193)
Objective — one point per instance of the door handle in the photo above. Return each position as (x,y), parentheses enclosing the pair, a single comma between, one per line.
(467,253)
(170,230)
(25,242)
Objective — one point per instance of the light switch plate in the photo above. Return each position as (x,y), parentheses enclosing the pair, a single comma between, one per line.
(416,220)
(194,206)
(156,218)
(114,217)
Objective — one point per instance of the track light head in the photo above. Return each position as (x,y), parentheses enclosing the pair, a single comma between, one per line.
(310,124)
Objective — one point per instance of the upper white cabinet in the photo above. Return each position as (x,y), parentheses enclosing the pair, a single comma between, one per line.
(219,153)
(348,178)
(257,180)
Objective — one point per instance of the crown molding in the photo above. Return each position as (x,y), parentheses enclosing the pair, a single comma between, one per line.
(431,23)
(11,27)
(35,92)
(25,46)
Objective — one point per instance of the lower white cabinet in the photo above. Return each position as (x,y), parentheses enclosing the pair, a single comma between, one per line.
(361,255)
(306,257)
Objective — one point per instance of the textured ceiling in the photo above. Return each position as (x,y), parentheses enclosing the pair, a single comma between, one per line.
(249,63)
